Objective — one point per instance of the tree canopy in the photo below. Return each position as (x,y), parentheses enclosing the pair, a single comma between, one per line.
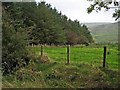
(51,27)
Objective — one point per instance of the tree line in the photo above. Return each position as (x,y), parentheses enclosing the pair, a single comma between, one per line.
(26,23)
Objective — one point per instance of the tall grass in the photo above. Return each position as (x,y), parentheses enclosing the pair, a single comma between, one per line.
(85,69)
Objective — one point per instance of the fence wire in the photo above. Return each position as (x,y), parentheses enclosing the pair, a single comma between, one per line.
(81,54)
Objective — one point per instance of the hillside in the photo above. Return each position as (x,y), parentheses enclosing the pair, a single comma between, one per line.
(104,32)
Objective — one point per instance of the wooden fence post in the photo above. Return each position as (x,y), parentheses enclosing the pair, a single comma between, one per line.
(104,57)
(41,50)
(68,54)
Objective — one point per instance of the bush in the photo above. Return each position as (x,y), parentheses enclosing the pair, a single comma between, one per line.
(14,53)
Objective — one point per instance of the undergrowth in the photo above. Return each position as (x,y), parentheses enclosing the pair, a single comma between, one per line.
(55,75)
(85,72)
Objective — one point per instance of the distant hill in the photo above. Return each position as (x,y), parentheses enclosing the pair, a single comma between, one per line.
(104,32)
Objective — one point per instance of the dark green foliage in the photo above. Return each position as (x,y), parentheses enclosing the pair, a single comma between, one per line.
(14,38)
(48,26)
(25,23)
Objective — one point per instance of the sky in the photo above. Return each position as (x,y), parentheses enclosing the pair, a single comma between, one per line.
(77,9)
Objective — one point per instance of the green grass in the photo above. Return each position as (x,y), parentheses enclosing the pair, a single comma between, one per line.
(91,55)
(85,69)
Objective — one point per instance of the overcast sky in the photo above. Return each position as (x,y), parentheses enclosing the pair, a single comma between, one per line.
(77,9)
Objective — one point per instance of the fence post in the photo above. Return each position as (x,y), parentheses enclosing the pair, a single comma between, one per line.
(68,54)
(104,56)
(41,50)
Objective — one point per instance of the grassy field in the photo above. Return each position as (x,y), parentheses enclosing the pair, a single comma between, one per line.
(91,55)
(85,69)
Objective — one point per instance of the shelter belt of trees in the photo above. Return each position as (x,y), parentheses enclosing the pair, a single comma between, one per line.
(25,23)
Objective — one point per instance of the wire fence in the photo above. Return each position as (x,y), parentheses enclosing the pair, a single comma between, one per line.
(67,54)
